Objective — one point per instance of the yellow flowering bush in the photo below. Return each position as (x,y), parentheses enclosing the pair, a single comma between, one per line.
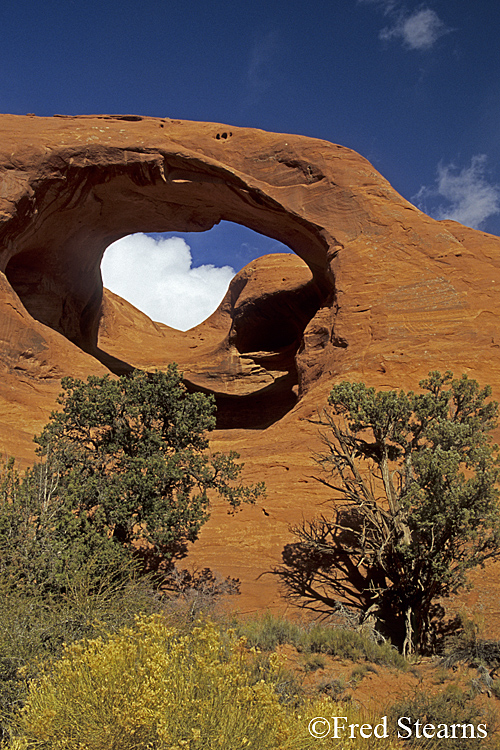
(156,687)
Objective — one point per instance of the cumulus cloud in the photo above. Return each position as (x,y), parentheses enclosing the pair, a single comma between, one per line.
(157,276)
(420,30)
(470,197)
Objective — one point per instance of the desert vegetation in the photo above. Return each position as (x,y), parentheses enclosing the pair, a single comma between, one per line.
(105,643)
(415,505)
(89,536)
(165,681)
(154,685)
(130,458)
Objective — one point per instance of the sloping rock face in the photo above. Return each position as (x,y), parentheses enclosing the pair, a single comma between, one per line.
(377,291)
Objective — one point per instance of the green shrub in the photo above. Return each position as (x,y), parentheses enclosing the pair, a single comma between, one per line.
(314,662)
(335,688)
(414,480)
(33,628)
(467,645)
(270,630)
(128,457)
(495,688)
(359,672)
(353,645)
(453,705)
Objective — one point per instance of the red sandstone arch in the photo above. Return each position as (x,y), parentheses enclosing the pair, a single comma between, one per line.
(387,284)
(76,213)
(82,199)
(392,293)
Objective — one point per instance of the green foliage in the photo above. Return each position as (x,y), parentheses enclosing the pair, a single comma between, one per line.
(336,688)
(468,646)
(123,483)
(34,626)
(314,662)
(416,475)
(130,457)
(269,631)
(53,588)
(46,546)
(495,688)
(153,686)
(451,706)
(348,644)
(359,672)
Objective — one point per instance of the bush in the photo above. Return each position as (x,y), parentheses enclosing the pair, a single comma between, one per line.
(451,706)
(128,461)
(348,644)
(467,646)
(124,465)
(268,631)
(153,686)
(360,672)
(34,628)
(314,662)
(414,505)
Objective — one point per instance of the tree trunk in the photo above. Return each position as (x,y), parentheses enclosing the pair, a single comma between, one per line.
(392,499)
(408,641)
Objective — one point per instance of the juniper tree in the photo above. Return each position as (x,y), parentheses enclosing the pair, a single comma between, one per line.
(415,508)
(132,460)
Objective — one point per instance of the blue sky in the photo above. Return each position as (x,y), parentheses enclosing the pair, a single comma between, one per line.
(413,87)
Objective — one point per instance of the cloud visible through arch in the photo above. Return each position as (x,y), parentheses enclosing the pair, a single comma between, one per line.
(157,277)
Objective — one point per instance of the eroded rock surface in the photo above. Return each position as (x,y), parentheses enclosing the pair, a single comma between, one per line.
(377,291)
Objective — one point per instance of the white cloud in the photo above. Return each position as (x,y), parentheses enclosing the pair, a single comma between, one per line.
(470,198)
(157,276)
(420,30)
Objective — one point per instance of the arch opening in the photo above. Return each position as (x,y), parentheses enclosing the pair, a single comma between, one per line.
(250,365)
(250,353)
(180,278)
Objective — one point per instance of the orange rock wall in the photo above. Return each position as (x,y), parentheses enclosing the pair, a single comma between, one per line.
(378,292)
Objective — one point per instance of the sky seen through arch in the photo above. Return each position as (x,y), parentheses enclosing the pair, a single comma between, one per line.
(180,278)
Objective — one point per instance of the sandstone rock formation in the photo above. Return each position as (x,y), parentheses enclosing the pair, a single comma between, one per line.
(382,292)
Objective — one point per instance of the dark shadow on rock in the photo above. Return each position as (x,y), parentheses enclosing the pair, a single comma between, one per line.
(115,365)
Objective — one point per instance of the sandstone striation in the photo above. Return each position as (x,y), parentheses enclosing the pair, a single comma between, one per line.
(377,291)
